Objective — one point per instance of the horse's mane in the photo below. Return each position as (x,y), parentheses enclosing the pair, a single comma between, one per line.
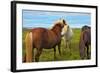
(58,22)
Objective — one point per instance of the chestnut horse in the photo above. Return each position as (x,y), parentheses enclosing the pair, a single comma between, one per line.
(40,38)
(85,41)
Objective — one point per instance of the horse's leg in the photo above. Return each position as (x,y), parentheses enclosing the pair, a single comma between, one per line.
(54,53)
(24,58)
(87,51)
(33,55)
(66,44)
(38,53)
(70,46)
(90,51)
(59,48)
(82,52)
(82,47)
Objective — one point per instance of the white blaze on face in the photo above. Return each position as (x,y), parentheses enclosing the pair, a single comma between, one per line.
(64,30)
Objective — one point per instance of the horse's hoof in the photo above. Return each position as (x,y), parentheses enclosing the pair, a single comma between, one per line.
(88,57)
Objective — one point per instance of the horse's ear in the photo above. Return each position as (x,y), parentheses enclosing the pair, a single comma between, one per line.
(63,21)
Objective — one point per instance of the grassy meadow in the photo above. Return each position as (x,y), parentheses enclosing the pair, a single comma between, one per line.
(66,53)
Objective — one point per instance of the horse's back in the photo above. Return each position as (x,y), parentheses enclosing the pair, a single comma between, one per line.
(43,38)
(38,34)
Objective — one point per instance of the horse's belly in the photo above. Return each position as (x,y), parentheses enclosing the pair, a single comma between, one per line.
(48,46)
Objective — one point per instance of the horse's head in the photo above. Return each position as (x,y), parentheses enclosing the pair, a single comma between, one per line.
(59,25)
(85,27)
(60,22)
(65,29)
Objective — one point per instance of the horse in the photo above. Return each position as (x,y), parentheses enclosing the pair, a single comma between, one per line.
(42,38)
(85,41)
(67,34)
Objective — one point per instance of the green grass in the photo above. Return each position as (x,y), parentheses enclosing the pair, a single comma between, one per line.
(66,53)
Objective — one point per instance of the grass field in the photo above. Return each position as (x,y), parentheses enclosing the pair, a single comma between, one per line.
(66,53)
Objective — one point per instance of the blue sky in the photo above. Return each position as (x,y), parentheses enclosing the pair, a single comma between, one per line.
(46,19)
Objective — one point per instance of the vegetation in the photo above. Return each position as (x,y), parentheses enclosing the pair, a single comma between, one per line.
(66,53)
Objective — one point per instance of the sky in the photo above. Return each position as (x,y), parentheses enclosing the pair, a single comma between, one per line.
(46,19)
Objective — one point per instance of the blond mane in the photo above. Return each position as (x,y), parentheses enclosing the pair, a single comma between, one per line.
(60,21)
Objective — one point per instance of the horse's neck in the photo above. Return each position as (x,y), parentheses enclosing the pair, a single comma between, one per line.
(69,30)
(56,30)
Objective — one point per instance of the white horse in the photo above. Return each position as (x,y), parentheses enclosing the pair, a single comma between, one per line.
(67,34)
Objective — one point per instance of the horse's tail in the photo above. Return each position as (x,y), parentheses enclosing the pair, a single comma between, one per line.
(28,47)
(82,45)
